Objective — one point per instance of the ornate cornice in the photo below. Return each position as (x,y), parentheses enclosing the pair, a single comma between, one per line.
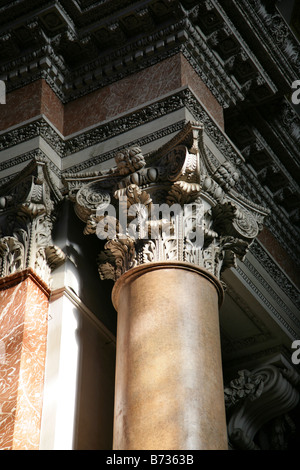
(275,32)
(268,140)
(76,53)
(285,284)
(179,99)
(36,153)
(276,310)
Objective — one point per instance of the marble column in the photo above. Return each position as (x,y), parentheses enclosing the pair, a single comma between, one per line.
(172,227)
(23,332)
(169,387)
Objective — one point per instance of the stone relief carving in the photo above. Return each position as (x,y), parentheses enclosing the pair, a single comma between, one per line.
(259,399)
(246,385)
(179,175)
(27,213)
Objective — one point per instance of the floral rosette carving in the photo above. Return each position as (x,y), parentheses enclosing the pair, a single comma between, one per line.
(130,160)
(90,198)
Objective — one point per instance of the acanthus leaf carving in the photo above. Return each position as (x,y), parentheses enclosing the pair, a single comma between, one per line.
(232,219)
(12,256)
(117,258)
(27,215)
(183,178)
(183,192)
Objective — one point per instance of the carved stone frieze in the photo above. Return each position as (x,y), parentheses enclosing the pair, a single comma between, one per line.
(27,212)
(180,206)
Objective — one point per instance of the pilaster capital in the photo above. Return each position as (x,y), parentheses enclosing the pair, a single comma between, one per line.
(174,204)
(27,212)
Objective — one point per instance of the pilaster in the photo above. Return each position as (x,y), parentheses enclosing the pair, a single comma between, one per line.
(23,332)
(28,256)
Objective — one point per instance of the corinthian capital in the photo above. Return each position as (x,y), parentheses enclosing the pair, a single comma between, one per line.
(27,212)
(173,205)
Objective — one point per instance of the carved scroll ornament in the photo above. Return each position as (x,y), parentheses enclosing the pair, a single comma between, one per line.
(258,398)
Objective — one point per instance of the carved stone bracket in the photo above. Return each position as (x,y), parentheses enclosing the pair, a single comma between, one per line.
(257,398)
(207,222)
(27,212)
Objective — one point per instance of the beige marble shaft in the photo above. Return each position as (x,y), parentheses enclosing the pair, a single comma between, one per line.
(169,387)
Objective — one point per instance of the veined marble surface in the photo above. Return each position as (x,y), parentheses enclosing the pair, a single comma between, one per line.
(23,329)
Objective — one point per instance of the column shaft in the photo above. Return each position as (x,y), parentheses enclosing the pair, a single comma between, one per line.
(23,336)
(169,387)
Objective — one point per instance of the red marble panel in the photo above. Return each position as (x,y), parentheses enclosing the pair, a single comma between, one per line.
(52,107)
(189,77)
(119,97)
(23,333)
(105,103)
(21,105)
(135,90)
(30,101)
